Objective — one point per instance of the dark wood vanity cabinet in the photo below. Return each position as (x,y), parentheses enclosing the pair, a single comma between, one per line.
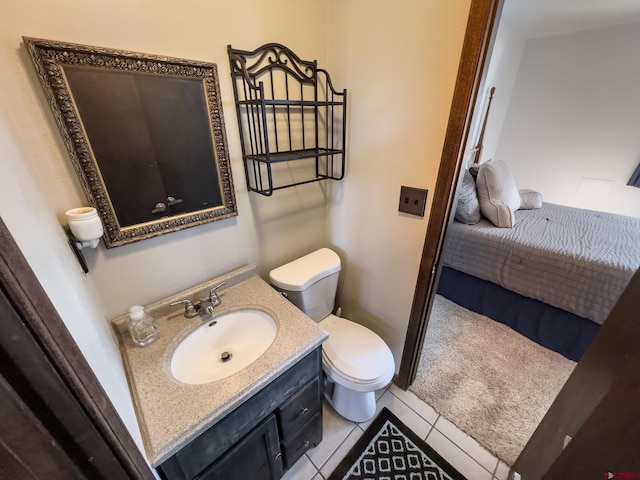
(301,422)
(261,438)
(257,456)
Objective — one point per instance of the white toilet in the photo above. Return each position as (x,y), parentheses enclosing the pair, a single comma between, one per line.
(355,360)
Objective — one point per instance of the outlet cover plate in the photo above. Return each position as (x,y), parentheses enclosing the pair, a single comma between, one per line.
(412,200)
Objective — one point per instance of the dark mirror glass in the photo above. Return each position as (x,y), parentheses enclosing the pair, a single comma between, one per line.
(146,135)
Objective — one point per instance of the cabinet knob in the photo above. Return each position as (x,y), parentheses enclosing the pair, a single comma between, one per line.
(278,456)
(305,444)
(304,411)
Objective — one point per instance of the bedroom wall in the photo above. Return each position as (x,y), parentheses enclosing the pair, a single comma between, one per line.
(502,73)
(571,129)
(400,67)
(38,183)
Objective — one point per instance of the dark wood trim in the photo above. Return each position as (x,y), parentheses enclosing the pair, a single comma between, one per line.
(608,440)
(27,450)
(88,407)
(478,41)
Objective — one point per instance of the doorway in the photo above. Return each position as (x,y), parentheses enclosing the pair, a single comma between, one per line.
(430,266)
(484,16)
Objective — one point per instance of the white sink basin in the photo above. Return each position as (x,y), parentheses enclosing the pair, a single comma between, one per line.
(223,346)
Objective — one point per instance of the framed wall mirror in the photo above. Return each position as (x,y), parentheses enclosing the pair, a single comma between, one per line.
(145,134)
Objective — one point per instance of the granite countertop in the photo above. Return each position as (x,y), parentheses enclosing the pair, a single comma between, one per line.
(171,413)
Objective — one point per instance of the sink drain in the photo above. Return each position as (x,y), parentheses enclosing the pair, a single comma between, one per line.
(225,356)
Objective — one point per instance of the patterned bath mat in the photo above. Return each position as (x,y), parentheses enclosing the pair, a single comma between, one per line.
(388,449)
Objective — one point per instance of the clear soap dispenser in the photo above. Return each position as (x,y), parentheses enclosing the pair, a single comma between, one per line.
(142,326)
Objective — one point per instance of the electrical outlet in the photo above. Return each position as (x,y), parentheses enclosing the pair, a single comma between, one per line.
(412,201)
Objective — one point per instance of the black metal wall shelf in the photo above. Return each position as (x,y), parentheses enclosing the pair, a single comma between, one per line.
(288,111)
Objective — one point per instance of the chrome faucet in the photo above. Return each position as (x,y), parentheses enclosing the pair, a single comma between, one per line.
(214,299)
(204,307)
(190,310)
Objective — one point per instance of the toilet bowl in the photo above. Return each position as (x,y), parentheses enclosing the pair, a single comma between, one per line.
(355,360)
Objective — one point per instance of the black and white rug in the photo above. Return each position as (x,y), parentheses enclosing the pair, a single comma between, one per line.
(389,450)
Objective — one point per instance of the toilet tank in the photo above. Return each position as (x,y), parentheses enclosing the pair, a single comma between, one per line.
(310,282)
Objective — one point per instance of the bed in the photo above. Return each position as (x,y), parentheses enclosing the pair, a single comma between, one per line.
(551,272)
(554,276)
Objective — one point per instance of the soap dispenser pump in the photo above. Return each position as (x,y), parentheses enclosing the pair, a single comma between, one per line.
(142,326)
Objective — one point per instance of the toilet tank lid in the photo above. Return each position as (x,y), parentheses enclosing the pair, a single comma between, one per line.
(305,271)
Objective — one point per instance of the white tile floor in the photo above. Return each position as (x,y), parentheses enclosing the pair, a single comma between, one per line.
(339,435)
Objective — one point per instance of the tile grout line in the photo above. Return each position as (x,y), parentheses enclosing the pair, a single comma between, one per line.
(495,470)
(416,412)
(459,447)
(429,433)
(467,453)
(355,425)
(335,450)
(313,465)
(434,426)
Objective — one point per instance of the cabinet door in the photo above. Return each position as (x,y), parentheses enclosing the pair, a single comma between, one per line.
(257,456)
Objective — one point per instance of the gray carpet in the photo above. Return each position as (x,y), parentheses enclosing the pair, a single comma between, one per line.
(492,382)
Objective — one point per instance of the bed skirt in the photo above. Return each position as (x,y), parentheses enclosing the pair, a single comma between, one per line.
(551,327)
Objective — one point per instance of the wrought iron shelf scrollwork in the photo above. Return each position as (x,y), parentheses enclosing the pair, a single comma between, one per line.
(287,111)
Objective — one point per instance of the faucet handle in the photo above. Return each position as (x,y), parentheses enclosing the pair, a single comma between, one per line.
(213,294)
(190,310)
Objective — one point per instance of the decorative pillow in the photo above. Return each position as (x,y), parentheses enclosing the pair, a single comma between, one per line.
(468,208)
(530,199)
(497,193)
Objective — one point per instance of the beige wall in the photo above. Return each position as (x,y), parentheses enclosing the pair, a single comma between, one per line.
(570,131)
(398,60)
(266,228)
(38,184)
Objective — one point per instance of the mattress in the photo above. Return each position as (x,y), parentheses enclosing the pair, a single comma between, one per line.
(574,259)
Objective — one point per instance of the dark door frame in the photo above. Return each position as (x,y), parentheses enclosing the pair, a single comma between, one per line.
(482,25)
(42,363)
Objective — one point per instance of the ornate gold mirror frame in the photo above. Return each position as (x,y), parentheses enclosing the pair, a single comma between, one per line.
(145,133)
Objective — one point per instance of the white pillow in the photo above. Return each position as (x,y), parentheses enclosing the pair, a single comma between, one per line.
(468,208)
(497,193)
(530,199)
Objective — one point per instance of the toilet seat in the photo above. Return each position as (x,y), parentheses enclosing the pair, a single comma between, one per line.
(355,356)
